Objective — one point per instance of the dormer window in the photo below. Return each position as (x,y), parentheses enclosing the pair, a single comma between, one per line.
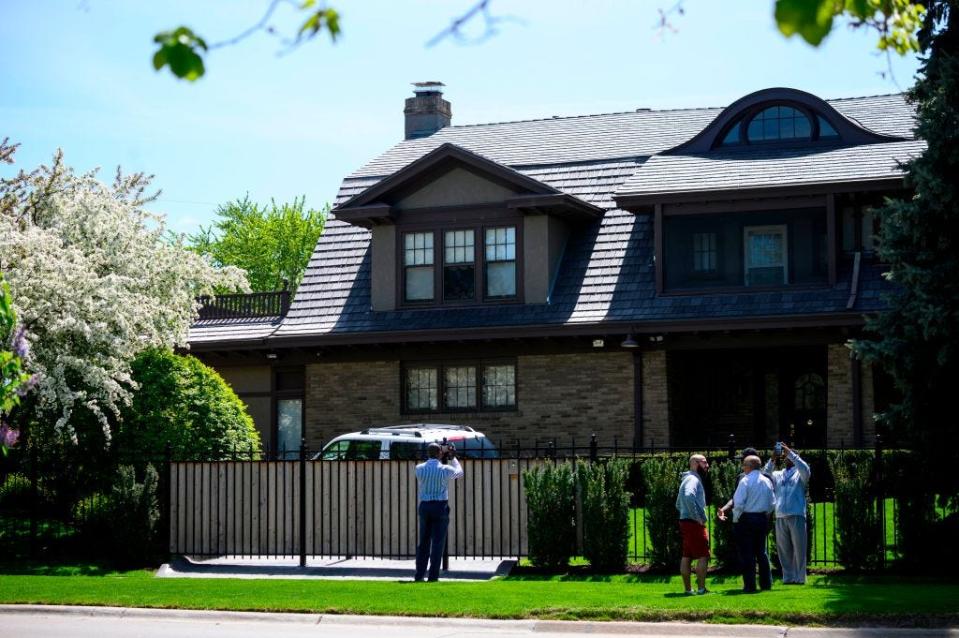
(466,273)
(779,123)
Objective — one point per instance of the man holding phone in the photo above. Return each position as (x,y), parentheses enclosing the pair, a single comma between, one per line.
(790,487)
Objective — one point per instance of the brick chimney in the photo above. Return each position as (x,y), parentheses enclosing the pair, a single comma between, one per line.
(426,112)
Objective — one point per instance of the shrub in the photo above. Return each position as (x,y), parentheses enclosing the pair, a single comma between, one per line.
(182,401)
(722,476)
(661,480)
(551,514)
(15,493)
(122,525)
(605,513)
(858,532)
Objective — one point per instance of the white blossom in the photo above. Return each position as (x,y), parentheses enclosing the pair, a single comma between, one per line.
(94,282)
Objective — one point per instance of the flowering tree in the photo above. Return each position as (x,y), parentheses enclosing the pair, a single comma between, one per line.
(94,283)
(14,382)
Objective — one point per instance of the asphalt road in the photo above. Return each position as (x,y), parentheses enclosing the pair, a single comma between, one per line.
(61,622)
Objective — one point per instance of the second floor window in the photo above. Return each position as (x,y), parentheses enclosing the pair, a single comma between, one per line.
(765,255)
(418,266)
(460,271)
(704,253)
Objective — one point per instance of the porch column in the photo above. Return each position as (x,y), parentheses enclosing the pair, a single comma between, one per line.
(840,426)
(655,399)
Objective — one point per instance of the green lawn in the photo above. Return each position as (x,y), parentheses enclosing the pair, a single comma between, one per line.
(825,600)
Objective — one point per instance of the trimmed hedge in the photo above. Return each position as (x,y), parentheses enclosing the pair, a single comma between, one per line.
(605,513)
(661,480)
(551,514)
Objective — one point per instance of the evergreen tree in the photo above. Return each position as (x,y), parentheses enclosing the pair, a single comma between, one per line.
(916,339)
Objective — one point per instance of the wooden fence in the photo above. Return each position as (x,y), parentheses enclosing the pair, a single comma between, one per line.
(339,509)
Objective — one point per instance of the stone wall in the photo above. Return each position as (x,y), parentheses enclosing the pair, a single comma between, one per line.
(559,397)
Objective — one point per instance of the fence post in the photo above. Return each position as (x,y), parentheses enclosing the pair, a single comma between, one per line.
(732,446)
(167,500)
(880,501)
(303,502)
(593,448)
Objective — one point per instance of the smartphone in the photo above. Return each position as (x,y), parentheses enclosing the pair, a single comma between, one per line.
(779,447)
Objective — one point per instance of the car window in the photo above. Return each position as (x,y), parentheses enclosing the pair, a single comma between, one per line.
(407,451)
(352,451)
(477,448)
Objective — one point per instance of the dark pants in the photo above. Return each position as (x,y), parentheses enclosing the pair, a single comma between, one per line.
(434,520)
(751,532)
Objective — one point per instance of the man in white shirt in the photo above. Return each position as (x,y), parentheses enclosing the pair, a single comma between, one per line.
(790,486)
(433,479)
(753,501)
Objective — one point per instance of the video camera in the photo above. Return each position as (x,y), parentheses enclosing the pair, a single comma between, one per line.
(447,451)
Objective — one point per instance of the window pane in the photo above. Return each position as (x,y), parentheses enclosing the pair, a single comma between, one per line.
(459,247)
(459,282)
(403,451)
(765,257)
(418,249)
(419,283)
(826,130)
(289,427)
(732,137)
(779,123)
(421,388)
(499,386)
(501,279)
(704,252)
(461,387)
(363,451)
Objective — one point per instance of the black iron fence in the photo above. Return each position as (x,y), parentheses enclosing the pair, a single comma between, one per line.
(283,504)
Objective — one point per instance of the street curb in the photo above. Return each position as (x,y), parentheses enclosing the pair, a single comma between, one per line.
(531,626)
(523,626)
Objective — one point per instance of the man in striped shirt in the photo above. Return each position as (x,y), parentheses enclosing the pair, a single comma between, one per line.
(433,479)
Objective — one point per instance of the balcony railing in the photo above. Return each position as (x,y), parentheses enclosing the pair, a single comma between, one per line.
(248,306)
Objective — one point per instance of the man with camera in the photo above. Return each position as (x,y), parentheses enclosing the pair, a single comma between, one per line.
(433,478)
(790,486)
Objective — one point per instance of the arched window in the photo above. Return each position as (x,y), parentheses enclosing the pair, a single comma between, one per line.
(779,123)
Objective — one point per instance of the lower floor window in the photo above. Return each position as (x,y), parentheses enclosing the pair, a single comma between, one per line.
(460,386)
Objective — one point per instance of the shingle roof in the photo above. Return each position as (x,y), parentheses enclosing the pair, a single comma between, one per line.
(768,167)
(217,330)
(607,270)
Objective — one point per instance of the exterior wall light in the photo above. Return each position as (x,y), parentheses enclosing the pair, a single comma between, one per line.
(629,342)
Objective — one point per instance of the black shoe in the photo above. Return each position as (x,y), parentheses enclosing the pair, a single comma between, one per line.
(432,580)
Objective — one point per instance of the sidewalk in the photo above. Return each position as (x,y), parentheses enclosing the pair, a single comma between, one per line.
(463,569)
(102,621)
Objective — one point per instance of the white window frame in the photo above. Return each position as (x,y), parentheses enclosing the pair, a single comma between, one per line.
(778,228)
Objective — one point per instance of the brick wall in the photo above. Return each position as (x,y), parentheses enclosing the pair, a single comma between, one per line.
(559,396)
(839,424)
(655,399)
(868,406)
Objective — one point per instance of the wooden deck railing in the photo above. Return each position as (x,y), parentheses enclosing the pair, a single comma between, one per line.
(244,306)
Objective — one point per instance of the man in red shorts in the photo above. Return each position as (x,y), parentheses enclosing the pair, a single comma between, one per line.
(691,503)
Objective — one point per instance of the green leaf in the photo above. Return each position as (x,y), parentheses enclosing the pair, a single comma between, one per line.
(811,19)
(180,50)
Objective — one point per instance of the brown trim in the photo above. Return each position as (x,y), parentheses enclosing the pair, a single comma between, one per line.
(631,202)
(514,221)
(746,205)
(435,158)
(831,237)
(725,324)
(561,205)
(659,262)
(854,286)
(368,216)
(440,365)
(742,289)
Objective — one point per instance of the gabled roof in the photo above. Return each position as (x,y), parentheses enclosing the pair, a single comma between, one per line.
(607,272)
(366,208)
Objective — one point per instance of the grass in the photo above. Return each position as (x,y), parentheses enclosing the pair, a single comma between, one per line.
(824,600)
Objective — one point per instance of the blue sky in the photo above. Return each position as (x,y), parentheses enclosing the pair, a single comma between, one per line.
(76,74)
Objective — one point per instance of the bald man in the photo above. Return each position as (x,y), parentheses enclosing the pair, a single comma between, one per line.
(753,502)
(691,503)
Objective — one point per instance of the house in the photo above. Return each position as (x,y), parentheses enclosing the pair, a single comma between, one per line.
(656,277)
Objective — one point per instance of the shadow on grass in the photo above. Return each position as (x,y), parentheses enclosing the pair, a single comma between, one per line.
(36,568)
